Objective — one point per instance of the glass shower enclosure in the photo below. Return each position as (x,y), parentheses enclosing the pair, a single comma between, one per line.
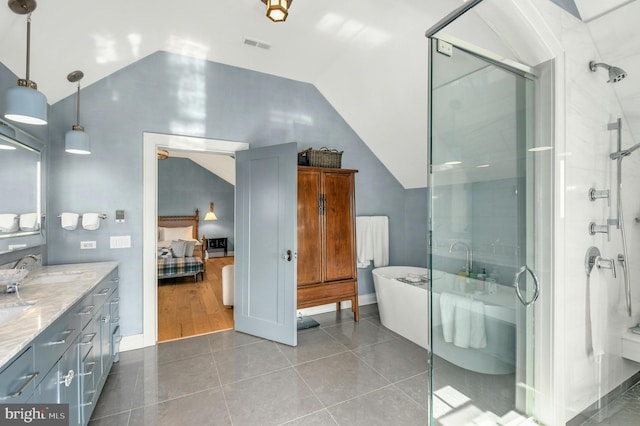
(485,238)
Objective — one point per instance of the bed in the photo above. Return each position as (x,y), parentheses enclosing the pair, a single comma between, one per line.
(180,253)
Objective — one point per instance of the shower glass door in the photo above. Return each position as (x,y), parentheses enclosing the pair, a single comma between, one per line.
(482,239)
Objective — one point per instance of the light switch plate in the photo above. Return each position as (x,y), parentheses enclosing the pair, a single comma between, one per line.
(122,241)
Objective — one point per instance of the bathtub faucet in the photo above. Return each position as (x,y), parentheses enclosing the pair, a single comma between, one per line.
(469,264)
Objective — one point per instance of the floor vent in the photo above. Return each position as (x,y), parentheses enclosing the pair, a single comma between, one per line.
(257,43)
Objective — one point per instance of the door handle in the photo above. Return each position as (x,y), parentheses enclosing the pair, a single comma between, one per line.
(536,282)
(288,256)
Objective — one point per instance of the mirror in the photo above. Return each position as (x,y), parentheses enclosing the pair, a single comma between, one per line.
(21,191)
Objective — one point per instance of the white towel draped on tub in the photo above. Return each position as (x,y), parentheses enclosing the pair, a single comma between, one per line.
(463,322)
(372,240)
(8,222)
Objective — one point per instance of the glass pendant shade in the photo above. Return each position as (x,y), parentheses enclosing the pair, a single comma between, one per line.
(76,141)
(26,105)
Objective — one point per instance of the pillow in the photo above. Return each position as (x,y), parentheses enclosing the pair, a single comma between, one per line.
(175,234)
(188,247)
(160,233)
(177,248)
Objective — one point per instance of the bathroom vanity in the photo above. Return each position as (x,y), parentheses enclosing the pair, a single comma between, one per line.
(60,346)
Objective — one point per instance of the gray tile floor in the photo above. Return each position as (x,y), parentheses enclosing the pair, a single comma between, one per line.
(342,373)
(623,411)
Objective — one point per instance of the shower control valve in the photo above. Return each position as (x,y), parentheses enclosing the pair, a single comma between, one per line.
(594,195)
(599,229)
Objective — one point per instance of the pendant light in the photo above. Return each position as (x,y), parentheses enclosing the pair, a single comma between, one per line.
(24,103)
(210,214)
(76,141)
(277,10)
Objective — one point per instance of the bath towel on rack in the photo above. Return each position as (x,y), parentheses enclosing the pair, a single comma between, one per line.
(372,241)
(463,321)
(8,222)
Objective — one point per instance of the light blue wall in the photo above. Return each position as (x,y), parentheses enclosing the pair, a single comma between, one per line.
(166,93)
(184,186)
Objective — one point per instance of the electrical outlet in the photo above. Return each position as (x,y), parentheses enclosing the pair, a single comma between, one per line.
(87,245)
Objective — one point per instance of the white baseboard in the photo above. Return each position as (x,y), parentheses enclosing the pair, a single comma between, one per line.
(129,343)
(363,299)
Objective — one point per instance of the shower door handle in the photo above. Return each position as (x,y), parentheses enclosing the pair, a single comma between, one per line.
(516,285)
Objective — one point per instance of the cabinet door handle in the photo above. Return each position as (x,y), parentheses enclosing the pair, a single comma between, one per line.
(87,310)
(30,378)
(66,334)
(115,280)
(288,256)
(115,301)
(103,292)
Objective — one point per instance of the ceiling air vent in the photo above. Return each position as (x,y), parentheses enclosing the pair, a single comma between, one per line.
(256,43)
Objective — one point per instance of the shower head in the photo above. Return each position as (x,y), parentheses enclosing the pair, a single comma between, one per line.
(624,152)
(615,74)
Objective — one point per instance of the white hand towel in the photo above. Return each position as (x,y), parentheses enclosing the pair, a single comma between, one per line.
(462,318)
(91,221)
(8,222)
(478,338)
(364,241)
(380,228)
(69,221)
(29,222)
(447,310)
(597,308)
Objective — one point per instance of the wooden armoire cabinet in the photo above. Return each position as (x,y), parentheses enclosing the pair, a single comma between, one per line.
(327,237)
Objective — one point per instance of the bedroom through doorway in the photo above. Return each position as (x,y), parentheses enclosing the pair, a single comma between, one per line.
(189,291)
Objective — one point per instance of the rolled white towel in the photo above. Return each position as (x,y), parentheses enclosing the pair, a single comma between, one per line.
(29,221)
(91,221)
(8,222)
(69,221)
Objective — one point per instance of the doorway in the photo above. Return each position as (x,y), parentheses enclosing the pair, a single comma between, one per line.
(151,143)
(190,289)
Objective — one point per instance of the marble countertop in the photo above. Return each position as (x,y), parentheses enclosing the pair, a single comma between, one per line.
(71,283)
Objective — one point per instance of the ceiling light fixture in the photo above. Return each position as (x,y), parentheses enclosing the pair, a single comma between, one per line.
(210,214)
(277,10)
(24,103)
(76,141)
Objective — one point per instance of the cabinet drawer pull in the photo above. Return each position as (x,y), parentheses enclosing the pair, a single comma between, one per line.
(88,342)
(64,340)
(88,310)
(90,372)
(30,378)
(115,301)
(87,404)
(103,292)
(115,280)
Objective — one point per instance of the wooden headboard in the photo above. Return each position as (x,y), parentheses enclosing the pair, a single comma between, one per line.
(180,221)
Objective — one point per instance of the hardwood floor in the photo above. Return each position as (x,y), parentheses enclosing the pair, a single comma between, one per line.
(188,309)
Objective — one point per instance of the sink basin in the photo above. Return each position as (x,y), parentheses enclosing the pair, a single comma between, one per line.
(55,278)
(12,276)
(9,311)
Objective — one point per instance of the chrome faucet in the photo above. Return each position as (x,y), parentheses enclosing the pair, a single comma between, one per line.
(24,261)
(469,262)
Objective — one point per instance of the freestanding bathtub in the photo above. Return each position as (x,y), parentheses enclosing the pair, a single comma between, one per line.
(404,309)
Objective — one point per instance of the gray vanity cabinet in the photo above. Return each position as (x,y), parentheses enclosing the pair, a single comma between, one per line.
(17,380)
(73,355)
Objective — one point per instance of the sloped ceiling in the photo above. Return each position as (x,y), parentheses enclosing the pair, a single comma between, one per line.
(367,57)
